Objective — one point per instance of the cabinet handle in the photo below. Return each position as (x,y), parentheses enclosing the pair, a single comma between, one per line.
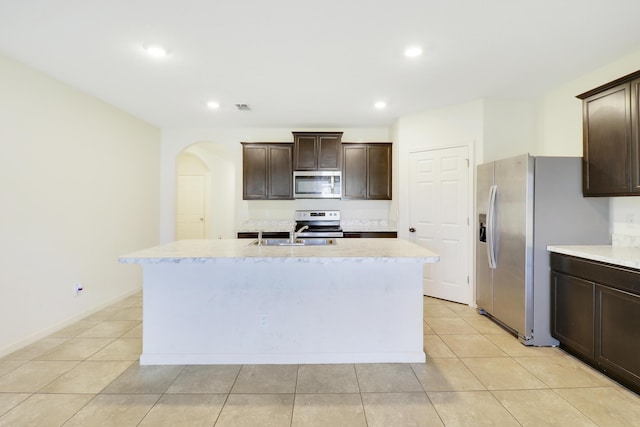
(412,230)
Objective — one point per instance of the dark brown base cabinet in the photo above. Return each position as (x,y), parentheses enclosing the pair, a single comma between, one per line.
(370,234)
(573,313)
(595,314)
(347,235)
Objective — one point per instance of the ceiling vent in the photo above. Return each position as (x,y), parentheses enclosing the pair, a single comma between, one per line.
(243,107)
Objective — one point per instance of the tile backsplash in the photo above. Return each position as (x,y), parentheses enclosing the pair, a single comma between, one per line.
(625,227)
(626,235)
(266,225)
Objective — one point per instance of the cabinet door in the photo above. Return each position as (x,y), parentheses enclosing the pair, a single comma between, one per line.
(354,172)
(635,136)
(573,312)
(254,171)
(607,142)
(280,172)
(329,152)
(379,171)
(305,152)
(618,332)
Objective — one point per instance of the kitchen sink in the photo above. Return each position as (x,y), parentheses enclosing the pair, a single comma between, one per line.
(296,242)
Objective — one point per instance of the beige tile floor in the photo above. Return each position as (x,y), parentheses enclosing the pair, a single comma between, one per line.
(476,374)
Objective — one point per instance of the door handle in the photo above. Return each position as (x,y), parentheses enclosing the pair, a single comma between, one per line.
(412,230)
(491,236)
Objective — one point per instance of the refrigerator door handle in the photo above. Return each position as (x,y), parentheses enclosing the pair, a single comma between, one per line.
(491,253)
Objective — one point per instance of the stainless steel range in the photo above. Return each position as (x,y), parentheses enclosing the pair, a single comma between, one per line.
(318,224)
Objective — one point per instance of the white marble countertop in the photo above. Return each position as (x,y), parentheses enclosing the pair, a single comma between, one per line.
(616,255)
(242,250)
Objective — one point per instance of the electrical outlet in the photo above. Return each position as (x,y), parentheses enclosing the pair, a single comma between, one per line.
(77,289)
(264,320)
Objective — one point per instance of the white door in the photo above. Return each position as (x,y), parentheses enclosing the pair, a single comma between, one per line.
(439,219)
(190,223)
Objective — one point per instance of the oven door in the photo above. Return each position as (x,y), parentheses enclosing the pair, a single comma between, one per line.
(317,185)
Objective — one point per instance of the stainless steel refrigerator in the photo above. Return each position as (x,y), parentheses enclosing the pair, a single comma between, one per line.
(525,203)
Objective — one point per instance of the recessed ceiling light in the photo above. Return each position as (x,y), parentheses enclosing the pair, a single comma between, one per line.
(213,105)
(380,105)
(156,50)
(413,51)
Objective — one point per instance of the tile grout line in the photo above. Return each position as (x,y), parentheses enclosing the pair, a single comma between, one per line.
(228,394)
(613,386)
(150,408)
(420,382)
(473,373)
(548,387)
(295,395)
(425,392)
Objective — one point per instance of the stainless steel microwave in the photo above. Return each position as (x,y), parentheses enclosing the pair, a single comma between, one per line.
(317,184)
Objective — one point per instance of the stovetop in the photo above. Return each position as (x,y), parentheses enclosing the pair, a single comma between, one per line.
(319,223)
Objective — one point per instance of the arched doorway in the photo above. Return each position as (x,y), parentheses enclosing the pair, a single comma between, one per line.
(205,188)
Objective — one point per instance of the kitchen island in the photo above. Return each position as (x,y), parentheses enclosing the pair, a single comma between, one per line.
(232,302)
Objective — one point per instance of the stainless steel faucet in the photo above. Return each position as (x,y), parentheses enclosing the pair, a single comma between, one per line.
(260,238)
(293,234)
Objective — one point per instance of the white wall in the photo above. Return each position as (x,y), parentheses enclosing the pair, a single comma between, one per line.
(550,125)
(491,128)
(220,188)
(188,163)
(176,140)
(79,186)
(452,126)
(510,127)
(191,164)
(560,114)
(560,131)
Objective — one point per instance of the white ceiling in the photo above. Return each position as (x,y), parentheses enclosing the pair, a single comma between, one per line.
(313,63)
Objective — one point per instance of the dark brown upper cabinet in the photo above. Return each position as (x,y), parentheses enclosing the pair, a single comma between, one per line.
(366,171)
(317,151)
(611,138)
(267,171)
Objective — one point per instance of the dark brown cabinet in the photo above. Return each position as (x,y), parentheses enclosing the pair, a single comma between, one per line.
(346,235)
(366,171)
(595,314)
(573,312)
(370,235)
(617,337)
(317,150)
(635,137)
(611,138)
(267,171)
